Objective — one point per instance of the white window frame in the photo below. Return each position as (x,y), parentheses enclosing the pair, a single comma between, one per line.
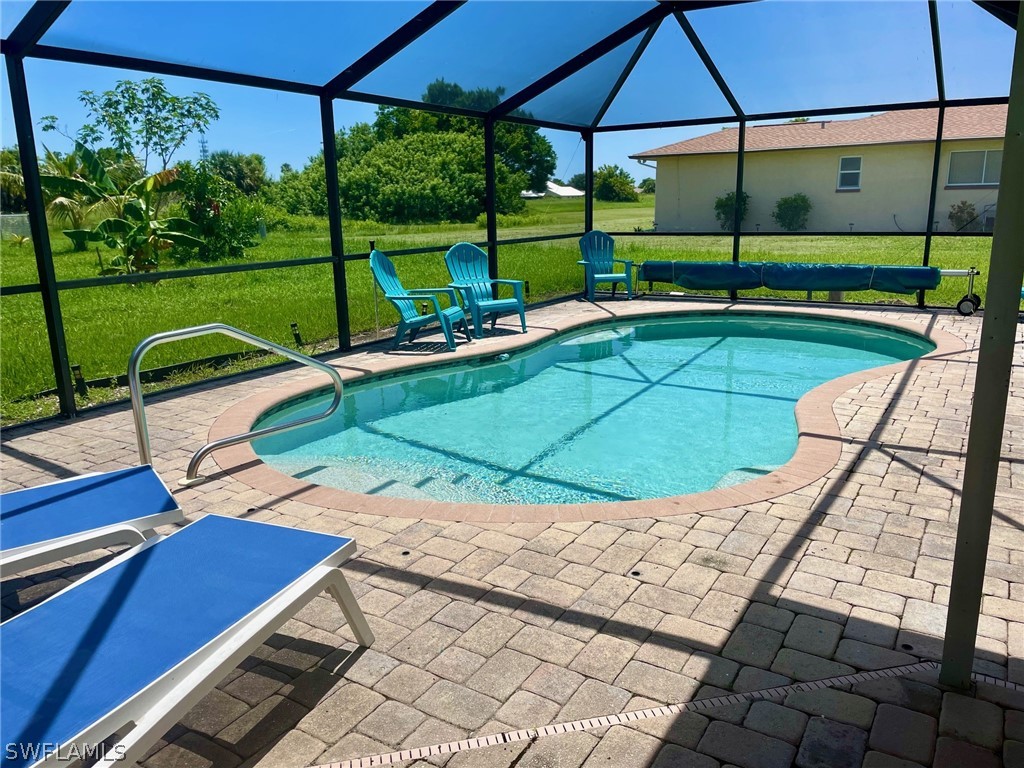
(984,170)
(840,172)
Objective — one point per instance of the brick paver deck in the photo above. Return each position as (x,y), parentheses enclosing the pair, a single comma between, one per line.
(489,626)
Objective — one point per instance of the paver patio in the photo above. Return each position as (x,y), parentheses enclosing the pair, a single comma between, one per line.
(489,626)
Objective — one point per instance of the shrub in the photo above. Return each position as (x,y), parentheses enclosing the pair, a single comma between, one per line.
(427,177)
(612,184)
(964,217)
(791,212)
(279,220)
(725,207)
(508,220)
(225,221)
(647,186)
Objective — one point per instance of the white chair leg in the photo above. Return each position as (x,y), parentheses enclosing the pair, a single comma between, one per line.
(341,592)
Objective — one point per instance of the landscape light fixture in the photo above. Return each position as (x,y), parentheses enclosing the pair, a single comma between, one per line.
(80,386)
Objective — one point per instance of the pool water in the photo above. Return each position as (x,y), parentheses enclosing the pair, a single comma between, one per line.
(636,410)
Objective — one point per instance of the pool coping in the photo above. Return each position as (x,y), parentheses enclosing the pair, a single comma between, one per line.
(819,443)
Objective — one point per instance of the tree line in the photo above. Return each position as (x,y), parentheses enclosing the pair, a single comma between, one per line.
(406,166)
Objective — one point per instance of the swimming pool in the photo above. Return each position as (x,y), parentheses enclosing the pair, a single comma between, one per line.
(632,410)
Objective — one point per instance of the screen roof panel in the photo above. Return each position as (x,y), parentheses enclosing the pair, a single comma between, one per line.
(577,99)
(11,12)
(302,41)
(977,51)
(669,82)
(777,55)
(498,46)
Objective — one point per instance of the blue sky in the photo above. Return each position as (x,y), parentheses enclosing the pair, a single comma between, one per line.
(776,55)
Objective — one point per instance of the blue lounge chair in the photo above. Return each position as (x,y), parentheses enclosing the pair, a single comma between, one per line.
(409,320)
(467,265)
(54,521)
(599,261)
(132,647)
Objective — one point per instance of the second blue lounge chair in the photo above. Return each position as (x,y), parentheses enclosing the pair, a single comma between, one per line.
(598,249)
(467,265)
(409,320)
(107,666)
(51,522)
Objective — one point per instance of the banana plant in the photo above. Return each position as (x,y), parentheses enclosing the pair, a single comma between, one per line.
(133,226)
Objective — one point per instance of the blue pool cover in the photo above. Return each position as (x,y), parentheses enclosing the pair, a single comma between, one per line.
(747,275)
(72,659)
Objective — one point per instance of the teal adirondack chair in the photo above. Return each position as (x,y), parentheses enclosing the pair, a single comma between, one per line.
(467,265)
(599,261)
(410,321)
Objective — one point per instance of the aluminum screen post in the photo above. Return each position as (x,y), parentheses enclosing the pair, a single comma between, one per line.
(588,197)
(334,222)
(940,87)
(991,390)
(40,235)
(737,209)
(491,202)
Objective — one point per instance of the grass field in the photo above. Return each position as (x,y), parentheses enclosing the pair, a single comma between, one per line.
(104,324)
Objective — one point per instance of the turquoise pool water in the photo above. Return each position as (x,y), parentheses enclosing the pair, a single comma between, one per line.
(637,410)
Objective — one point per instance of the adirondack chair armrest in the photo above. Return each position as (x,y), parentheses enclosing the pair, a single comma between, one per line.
(627,262)
(410,296)
(451,293)
(517,286)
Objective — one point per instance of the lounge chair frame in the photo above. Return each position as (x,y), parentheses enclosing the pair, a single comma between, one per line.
(130,532)
(145,717)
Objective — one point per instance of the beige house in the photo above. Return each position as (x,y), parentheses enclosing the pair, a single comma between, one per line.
(870,174)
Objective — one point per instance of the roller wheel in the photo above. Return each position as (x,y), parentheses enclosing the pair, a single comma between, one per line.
(966,306)
(977,300)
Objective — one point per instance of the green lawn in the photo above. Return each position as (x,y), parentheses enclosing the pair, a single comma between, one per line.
(104,324)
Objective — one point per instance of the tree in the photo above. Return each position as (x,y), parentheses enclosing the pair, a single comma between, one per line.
(247,172)
(579,181)
(142,119)
(613,184)
(12,184)
(791,212)
(521,148)
(426,177)
(647,186)
(300,193)
(964,217)
(725,209)
(799,120)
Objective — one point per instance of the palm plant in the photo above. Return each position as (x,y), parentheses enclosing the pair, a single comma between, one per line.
(67,204)
(132,226)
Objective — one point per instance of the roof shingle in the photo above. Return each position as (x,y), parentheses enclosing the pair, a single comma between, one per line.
(983,122)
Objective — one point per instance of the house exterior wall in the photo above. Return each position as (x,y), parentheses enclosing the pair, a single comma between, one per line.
(893,193)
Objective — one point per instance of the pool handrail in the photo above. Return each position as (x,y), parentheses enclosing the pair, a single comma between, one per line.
(138,409)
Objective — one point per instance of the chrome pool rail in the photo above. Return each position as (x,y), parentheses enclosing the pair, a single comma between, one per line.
(138,410)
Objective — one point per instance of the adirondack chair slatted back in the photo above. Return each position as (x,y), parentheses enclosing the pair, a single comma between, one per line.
(468,264)
(383,270)
(599,249)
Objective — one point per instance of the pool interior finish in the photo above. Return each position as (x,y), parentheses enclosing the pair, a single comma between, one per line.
(634,410)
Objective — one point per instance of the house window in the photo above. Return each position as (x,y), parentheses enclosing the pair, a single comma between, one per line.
(849,173)
(979,167)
